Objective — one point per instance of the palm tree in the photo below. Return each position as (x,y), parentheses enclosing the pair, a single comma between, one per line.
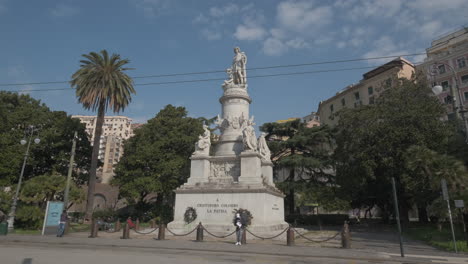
(101,83)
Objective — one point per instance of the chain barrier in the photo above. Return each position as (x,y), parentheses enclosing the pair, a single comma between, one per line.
(263,238)
(316,241)
(211,234)
(144,233)
(174,234)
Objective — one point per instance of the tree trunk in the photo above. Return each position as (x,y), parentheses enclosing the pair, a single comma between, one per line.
(94,162)
(422,214)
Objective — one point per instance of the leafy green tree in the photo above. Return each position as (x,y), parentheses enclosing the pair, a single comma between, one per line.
(101,83)
(157,159)
(373,143)
(305,154)
(55,131)
(426,169)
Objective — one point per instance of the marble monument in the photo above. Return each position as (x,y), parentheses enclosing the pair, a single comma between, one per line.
(237,173)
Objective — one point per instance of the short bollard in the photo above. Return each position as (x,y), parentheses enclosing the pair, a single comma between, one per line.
(137,224)
(200,233)
(244,237)
(290,237)
(152,224)
(94,229)
(346,236)
(126,232)
(117,226)
(162,232)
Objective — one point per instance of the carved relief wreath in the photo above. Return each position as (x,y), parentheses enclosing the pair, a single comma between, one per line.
(190,215)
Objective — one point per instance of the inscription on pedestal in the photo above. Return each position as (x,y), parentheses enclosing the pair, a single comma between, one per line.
(216,208)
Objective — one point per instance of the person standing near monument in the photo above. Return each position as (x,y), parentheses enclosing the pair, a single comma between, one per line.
(62,223)
(239,222)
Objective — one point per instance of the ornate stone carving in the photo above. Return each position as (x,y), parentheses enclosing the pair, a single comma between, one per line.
(204,142)
(263,149)
(233,122)
(223,169)
(249,138)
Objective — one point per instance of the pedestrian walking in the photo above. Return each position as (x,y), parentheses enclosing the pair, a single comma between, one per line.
(130,223)
(62,222)
(239,223)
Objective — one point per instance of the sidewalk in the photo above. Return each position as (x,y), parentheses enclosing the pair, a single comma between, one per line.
(177,245)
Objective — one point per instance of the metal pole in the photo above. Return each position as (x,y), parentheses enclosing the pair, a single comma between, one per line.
(11,217)
(397,214)
(451,226)
(70,170)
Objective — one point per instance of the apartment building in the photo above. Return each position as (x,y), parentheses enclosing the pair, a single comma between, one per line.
(115,130)
(366,91)
(447,65)
(311,120)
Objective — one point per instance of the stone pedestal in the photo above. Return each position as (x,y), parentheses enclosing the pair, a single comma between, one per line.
(199,169)
(233,178)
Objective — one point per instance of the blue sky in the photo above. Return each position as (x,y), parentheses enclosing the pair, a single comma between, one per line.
(43,41)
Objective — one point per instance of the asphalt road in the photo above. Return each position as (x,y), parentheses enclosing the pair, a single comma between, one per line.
(33,254)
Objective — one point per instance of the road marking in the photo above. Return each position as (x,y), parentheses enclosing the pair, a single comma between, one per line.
(435,259)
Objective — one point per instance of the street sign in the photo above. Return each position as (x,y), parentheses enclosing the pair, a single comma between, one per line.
(444,189)
(52,218)
(459,204)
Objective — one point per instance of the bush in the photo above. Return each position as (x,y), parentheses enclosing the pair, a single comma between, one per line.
(324,219)
(29,217)
(105,214)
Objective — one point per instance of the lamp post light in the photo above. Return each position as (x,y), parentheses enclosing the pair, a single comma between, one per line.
(29,134)
(459,109)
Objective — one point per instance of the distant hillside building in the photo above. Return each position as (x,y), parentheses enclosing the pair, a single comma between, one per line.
(370,87)
(311,120)
(115,130)
(447,53)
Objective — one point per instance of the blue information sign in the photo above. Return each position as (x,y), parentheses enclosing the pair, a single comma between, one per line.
(54,211)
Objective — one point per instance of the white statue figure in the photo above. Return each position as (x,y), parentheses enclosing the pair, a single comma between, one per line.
(249,139)
(238,68)
(229,81)
(204,142)
(263,147)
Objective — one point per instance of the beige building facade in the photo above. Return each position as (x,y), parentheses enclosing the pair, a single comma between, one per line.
(447,65)
(366,91)
(115,130)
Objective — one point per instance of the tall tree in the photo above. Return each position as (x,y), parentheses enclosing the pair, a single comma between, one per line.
(101,83)
(373,143)
(157,159)
(304,153)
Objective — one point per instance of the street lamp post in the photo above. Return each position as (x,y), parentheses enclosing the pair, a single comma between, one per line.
(11,216)
(459,109)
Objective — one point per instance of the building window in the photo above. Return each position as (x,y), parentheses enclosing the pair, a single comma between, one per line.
(466,96)
(441,69)
(343,102)
(356,96)
(445,85)
(331,108)
(464,79)
(370,90)
(371,100)
(461,63)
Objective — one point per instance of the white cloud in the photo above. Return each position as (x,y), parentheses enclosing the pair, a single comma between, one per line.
(384,46)
(274,47)
(374,8)
(430,29)
(201,19)
(303,15)
(151,8)
(64,10)
(226,10)
(297,43)
(437,6)
(245,32)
